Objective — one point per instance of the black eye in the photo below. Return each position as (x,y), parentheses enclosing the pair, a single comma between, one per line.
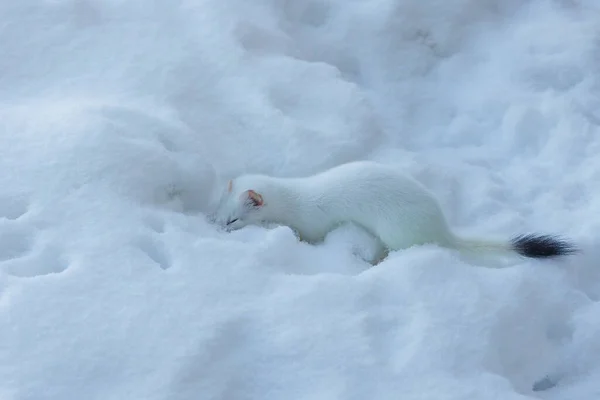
(231,221)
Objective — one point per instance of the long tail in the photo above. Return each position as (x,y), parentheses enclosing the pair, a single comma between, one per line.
(529,245)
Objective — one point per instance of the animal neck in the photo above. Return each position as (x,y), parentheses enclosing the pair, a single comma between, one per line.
(285,199)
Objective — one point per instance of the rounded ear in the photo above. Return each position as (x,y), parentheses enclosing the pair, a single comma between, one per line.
(253,197)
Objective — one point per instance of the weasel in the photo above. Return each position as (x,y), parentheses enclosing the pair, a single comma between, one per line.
(396,209)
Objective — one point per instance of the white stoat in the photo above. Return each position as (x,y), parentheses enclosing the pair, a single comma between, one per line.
(396,209)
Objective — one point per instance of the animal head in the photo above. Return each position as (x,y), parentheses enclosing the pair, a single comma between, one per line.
(240,206)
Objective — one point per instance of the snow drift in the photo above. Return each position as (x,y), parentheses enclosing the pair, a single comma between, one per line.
(119,121)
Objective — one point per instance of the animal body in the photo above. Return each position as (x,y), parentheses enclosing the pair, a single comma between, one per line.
(396,209)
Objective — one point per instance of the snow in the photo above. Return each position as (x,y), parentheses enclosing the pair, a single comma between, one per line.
(120,121)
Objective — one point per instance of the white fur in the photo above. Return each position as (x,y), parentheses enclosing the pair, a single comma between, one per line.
(396,209)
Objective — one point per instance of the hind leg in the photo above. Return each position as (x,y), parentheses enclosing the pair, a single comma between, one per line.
(373,252)
(380,254)
(362,243)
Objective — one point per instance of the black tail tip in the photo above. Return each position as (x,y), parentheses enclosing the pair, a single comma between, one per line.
(542,246)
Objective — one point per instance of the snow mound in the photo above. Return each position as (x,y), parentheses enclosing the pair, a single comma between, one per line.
(120,122)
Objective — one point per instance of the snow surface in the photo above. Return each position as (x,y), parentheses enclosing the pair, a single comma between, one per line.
(121,119)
